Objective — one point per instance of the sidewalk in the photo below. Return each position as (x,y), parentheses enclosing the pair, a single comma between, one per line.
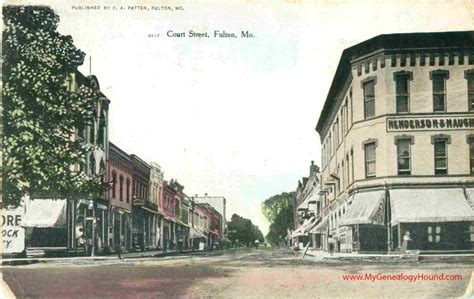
(320,255)
(125,255)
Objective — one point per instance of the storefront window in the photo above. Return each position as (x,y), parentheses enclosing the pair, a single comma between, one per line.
(434,234)
(441,157)
(404,157)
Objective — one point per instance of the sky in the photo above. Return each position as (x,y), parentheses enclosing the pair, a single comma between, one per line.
(232,117)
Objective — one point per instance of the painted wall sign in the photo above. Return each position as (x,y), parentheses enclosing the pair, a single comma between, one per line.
(13,235)
(432,123)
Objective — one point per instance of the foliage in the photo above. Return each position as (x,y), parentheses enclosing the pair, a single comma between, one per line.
(241,231)
(40,113)
(279,210)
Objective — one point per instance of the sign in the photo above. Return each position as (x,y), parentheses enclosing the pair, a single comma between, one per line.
(13,235)
(432,123)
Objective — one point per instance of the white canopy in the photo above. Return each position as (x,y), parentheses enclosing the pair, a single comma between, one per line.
(45,213)
(430,205)
(195,234)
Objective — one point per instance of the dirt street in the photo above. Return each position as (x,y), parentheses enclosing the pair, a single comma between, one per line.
(249,274)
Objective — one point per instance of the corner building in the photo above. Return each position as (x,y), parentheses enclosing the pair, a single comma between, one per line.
(397,134)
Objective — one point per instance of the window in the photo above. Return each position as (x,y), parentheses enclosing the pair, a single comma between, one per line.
(439,89)
(114,183)
(369,99)
(404,156)
(471,154)
(401,92)
(434,234)
(128,191)
(441,157)
(469,75)
(121,188)
(369,159)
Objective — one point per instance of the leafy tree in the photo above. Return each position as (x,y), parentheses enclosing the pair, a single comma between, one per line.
(40,113)
(242,231)
(279,210)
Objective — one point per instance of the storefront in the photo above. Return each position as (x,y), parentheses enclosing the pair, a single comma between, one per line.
(362,228)
(59,226)
(438,219)
(197,237)
(121,227)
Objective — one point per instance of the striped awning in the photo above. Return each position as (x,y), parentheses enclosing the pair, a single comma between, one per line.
(366,208)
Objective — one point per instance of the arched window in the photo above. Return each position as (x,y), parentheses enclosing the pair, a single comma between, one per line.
(114,183)
(121,188)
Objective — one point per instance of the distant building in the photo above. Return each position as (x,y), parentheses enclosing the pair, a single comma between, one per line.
(219,203)
(307,210)
(398,144)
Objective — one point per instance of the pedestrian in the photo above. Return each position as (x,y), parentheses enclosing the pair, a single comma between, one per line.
(118,247)
(81,240)
(331,244)
(406,239)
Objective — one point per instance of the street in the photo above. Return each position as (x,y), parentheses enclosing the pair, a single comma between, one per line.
(245,273)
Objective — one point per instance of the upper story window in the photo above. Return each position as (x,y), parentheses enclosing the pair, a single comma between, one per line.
(404,156)
(470,141)
(402,92)
(121,187)
(369,153)
(440,143)
(128,191)
(114,183)
(469,75)
(438,79)
(369,99)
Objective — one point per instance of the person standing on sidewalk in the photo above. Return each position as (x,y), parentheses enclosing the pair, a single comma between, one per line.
(406,239)
(331,244)
(118,248)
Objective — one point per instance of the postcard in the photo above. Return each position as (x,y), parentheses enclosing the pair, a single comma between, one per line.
(240,149)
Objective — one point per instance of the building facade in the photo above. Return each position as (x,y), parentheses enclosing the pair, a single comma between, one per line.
(144,210)
(397,144)
(219,203)
(120,174)
(75,225)
(307,210)
(156,193)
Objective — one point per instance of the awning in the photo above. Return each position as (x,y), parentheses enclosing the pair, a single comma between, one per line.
(195,234)
(470,196)
(321,227)
(310,198)
(429,205)
(305,227)
(45,213)
(366,208)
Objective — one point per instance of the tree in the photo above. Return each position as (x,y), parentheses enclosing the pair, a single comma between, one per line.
(40,112)
(279,210)
(242,231)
